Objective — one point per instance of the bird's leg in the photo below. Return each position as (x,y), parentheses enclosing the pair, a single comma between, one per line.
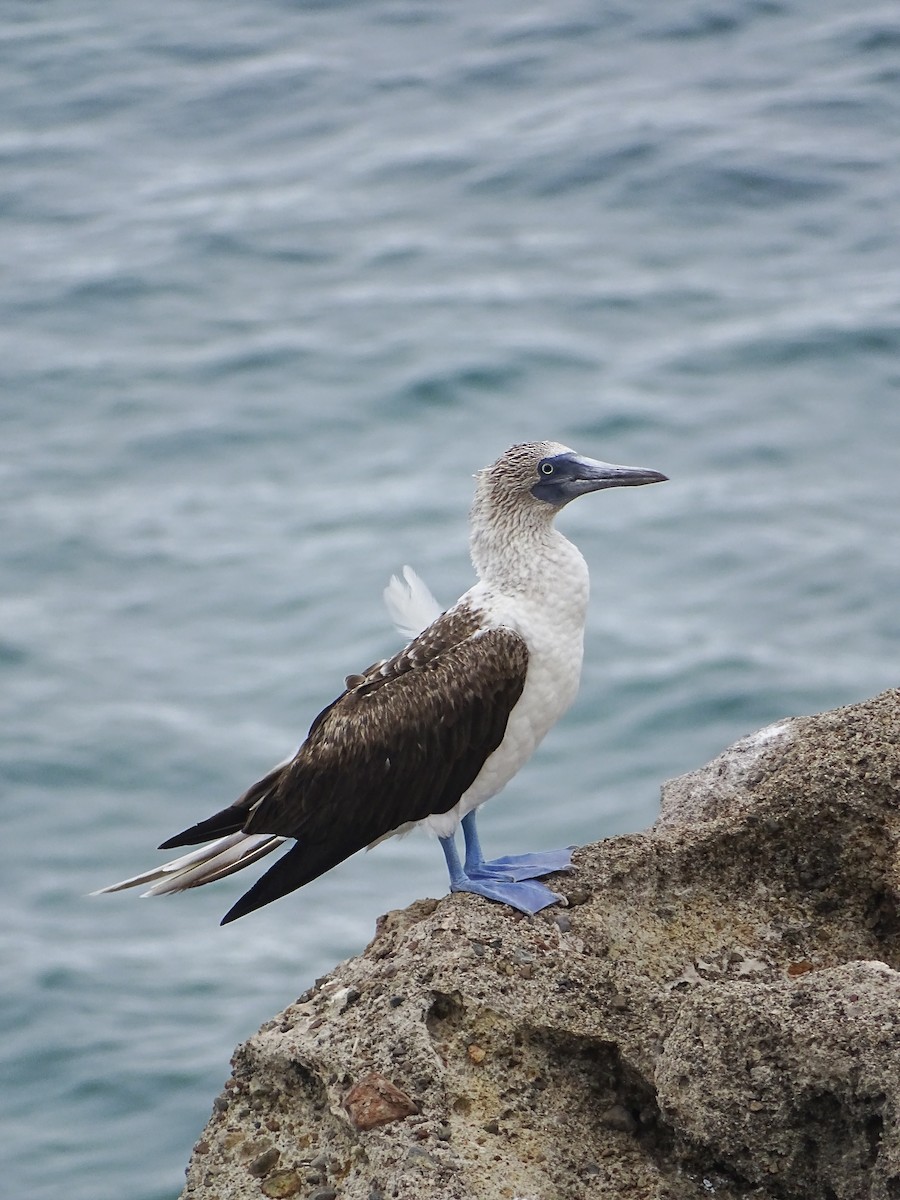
(527,896)
(474,853)
(511,866)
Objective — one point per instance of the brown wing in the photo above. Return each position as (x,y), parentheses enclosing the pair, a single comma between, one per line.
(450,629)
(403,745)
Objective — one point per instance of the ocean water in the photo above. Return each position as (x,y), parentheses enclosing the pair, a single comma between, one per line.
(277,278)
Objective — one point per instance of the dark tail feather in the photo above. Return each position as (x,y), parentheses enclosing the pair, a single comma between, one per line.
(230,819)
(284,876)
(301,864)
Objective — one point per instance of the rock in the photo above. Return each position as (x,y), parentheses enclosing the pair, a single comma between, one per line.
(793,1081)
(718,1015)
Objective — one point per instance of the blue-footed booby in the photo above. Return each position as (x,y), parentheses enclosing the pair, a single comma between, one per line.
(426,737)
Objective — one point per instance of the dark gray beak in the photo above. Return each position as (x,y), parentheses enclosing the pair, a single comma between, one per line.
(592,476)
(565,477)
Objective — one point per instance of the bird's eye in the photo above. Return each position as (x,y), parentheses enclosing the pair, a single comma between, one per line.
(546,468)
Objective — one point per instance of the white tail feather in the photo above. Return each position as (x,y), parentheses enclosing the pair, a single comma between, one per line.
(214,861)
(410,603)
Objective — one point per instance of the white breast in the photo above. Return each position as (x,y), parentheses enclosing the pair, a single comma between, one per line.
(551,620)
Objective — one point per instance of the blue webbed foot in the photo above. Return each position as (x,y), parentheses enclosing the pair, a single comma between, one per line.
(512,866)
(522,866)
(527,896)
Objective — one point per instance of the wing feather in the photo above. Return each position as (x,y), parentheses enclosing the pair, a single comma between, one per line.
(404,745)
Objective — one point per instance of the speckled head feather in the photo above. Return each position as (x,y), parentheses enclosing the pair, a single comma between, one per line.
(504,508)
(509,480)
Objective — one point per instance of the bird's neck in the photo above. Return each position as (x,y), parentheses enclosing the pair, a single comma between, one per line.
(519,553)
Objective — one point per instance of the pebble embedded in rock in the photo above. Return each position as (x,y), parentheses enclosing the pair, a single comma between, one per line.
(799,968)
(375,1101)
(618,1117)
(282,1184)
(264,1162)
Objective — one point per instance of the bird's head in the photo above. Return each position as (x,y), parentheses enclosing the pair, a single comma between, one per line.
(538,474)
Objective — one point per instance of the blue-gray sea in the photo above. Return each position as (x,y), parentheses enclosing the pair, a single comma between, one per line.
(277,278)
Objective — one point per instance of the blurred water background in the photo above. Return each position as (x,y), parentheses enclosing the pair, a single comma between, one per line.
(277,278)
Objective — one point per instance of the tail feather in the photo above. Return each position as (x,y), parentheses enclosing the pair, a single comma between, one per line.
(285,875)
(230,819)
(410,604)
(215,861)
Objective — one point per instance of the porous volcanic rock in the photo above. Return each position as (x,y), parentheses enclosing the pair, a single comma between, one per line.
(717,1013)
